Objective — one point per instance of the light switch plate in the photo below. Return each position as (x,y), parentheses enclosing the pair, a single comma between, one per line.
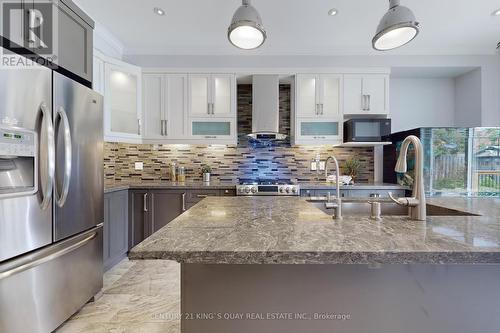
(139,165)
(322,165)
(313,166)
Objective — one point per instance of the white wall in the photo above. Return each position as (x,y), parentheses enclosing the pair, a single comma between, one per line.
(468,100)
(422,102)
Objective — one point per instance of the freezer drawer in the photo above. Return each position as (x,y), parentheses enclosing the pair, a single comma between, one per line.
(41,290)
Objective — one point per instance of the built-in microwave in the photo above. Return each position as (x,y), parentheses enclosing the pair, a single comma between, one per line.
(367,130)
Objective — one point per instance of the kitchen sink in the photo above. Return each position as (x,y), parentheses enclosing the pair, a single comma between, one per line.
(357,207)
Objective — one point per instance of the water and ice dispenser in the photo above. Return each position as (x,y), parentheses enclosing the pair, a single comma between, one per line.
(18,162)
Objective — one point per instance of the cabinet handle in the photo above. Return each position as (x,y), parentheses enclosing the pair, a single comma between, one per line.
(213,108)
(138,127)
(208,108)
(322,109)
(162,132)
(369,102)
(183,202)
(317,109)
(201,195)
(363,102)
(210,137)
(145,201)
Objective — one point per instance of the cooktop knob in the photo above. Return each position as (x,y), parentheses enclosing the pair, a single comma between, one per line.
(287,190)
(294,190)
(254,190)
(247,190)
(282,190)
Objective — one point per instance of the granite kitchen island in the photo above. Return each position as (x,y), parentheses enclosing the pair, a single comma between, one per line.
(279,264)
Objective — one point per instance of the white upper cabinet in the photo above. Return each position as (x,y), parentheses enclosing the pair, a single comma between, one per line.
(122,101)
(318,96)
(307,96)
(212,95)
(366,94)
(330,96)
(164,106)
(199,92)
(318,110)
(153,105)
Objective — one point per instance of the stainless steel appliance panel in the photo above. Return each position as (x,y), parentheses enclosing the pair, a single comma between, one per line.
(25,102)
(39,291)
(79,185)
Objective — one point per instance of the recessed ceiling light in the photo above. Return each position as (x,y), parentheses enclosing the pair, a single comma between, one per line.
(333,12)
(496,12)
(159,11)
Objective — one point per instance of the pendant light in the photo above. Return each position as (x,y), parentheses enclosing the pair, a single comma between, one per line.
(396,28)
(246,30)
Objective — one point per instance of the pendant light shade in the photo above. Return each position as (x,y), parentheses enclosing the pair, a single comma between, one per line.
(396,28)
(246,30)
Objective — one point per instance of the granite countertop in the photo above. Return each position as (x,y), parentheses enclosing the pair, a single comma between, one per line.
(119,186)
(357,186)
(290,230)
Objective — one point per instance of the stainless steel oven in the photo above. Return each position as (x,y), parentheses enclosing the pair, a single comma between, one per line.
(367,130)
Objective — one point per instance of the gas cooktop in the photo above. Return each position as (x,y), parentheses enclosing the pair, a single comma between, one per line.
(251,187)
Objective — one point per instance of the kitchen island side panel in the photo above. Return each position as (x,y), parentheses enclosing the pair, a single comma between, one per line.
(340,298)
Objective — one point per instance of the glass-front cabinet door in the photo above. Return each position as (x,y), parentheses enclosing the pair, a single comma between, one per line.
(122,101)
(223,91)
(213,130)
(330,96)
(199,95)
(318,131)
(307,97)
(212,95)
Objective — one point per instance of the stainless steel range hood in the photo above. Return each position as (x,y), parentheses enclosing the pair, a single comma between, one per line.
(265,108)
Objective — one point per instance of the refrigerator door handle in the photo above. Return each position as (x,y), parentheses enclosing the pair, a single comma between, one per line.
(46,120)
(50,257)
(61,116)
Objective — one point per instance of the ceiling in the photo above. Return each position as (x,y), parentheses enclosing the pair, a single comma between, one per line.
(295,27)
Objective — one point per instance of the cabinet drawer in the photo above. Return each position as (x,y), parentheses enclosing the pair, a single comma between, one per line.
(198,195)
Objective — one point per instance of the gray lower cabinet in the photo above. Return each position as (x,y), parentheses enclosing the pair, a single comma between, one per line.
(115,231)
(138,216)
(151,210)
(166,205)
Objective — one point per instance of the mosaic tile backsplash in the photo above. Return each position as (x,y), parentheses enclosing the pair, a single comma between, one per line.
(234,162)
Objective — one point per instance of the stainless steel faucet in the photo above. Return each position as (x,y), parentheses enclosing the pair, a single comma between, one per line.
(338,205)
(417,206)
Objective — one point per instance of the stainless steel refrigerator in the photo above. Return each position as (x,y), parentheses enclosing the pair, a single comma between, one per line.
(51,198)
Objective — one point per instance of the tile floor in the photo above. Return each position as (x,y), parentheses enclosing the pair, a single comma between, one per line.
(138,296)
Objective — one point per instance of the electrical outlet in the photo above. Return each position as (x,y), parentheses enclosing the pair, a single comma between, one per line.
(313,166)
(322,165)
(139,165)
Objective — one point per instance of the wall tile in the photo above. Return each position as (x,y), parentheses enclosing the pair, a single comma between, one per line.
(234,162)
